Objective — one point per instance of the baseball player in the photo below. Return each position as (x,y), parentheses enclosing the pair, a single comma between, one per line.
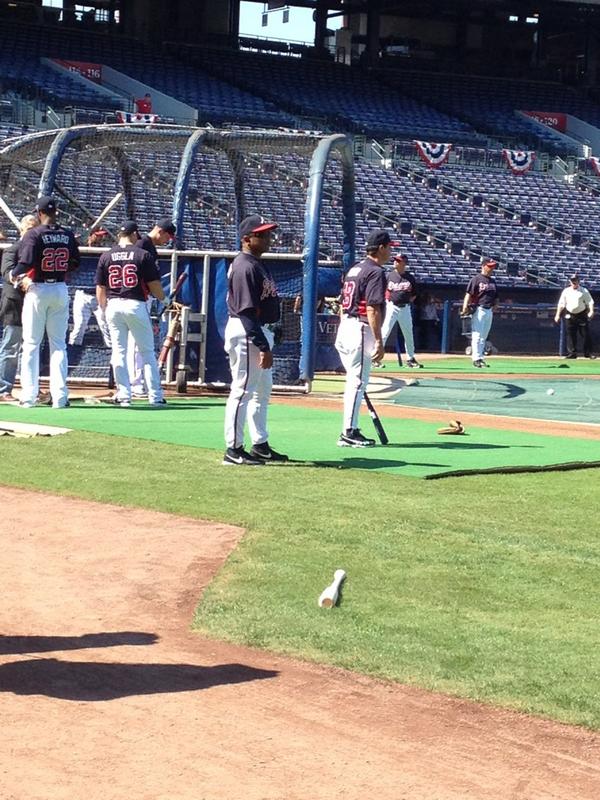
(577,305)
(124,277)
(11,307)
(400,293)
(480,299)
(252,303)
(162,233)
(359,339)
(46,253)
(85,303)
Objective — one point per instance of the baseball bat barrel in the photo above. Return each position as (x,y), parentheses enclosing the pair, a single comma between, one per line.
(180,281)
(382,435)
(169,339)
(106,211)
(329,595)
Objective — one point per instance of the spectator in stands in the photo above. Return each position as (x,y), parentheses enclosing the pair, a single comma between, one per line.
(143,105)
(11,307)
(577,306)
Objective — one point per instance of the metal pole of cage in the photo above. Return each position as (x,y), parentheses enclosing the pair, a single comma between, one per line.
(312,220)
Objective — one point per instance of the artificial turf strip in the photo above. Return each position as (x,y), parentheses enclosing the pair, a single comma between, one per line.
(483,587)
(497,364)
(309,435)
(570,400)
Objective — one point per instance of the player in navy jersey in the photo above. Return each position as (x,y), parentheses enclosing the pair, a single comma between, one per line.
(46,254)
(480,298)
(253,304)
(400,293)
(125,276)
(359,340)
(160,235)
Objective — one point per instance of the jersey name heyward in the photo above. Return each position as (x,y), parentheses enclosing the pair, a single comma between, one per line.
(55,238)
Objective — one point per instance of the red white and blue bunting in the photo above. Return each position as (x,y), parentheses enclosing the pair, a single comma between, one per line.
(434,155)
(128,117)
(595,162)
(519,160)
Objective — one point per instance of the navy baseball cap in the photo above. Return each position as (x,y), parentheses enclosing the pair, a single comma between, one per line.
(46,204)
(128,227)
(255,224)
(574,278)
(379,237)
(167,225)
(489,262)
(401,257)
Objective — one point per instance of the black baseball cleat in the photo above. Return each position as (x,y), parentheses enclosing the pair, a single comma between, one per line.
(412,362)
(265,453)
(237,456)
(352,437)
(480,363)
(158,403)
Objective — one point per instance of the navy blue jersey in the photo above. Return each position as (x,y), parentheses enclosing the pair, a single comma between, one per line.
(251,290)
(147,244)
(47,253)
(400,288)
(126,272)
(483,291)
(364,285)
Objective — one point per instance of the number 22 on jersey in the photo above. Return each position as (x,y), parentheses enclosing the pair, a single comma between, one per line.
(55,259)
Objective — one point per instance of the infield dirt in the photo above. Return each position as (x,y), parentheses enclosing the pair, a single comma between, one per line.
(106,693)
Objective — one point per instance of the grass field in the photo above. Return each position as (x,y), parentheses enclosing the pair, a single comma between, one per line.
(483,587)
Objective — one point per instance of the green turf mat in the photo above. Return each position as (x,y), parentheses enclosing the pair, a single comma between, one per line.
(534,398)
(310,435)
(513,365)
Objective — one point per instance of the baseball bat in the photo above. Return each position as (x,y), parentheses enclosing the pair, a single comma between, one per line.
(169,340)
(376,421)
(9,213)
(106,211)
(329,596)
(177,287)
(174,325)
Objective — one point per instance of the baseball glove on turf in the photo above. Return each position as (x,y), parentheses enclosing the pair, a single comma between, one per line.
(455,428)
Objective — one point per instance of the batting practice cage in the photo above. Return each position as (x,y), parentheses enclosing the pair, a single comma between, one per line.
(206,180)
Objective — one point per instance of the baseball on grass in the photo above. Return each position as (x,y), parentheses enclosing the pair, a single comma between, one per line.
(549,391)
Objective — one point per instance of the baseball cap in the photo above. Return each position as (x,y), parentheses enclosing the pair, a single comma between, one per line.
(128,227)
(379,237)
(401,257)
(167,225)
(46,204)
(489,262)
(574,277)
(255,224)
(99,232)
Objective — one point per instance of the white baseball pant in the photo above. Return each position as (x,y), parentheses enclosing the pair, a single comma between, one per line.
(403,317)
(135,363)
(45,309)
(355,344)
(481,323)
(250,387)
(123,316)
(84,305)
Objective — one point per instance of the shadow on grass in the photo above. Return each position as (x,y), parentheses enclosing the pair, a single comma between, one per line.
(93,682)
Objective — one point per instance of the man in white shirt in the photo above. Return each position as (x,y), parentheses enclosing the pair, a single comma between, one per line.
(577,306)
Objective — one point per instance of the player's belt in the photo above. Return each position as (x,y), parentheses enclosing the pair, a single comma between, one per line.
(400,305)
(50,280)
